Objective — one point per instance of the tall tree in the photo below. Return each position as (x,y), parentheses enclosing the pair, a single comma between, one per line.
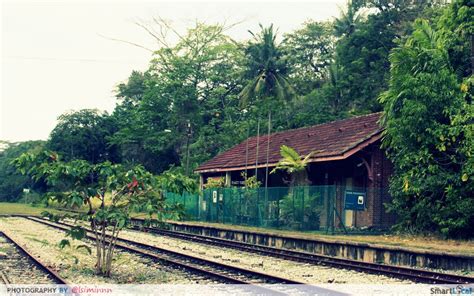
(428,123)
(133,131)
(266,70)
(307,53)
(362,51)
(457,25)
(84,134)
(349,19)
(268,84)
(12,182)
(186,109)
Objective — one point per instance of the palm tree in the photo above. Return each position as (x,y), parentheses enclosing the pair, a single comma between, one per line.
(266,69)
(295,165)
(267,76)
(334,81)
(348,21)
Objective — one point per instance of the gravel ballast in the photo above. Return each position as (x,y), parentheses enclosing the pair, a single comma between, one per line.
(77,266)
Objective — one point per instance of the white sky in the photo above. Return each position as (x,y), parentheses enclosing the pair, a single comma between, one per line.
(55,60)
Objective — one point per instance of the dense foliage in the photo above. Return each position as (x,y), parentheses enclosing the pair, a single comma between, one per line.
(207,92)
(12,182)
(84,134)
(429,125)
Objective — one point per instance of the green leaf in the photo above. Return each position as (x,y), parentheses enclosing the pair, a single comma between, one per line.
(464,178)
(77,232)
(63,243)
(87,248)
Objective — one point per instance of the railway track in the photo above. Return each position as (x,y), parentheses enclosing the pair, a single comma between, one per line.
(225,273)
(417,275)
(18,266)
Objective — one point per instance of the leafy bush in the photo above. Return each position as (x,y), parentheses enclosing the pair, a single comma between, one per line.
(299,210)
(215,183)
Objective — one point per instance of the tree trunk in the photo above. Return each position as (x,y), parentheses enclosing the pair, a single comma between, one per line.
(472,54)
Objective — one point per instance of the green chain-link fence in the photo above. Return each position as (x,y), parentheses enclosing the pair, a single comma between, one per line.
(297,208)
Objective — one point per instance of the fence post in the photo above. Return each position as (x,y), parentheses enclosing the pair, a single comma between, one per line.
(197,214)
(302,207)
(184,200)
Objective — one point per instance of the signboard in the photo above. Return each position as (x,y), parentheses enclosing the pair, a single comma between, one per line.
(354,200)
(214,196)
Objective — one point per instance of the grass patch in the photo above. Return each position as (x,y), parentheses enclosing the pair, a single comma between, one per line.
(43,242)
(9,208)
(87,271)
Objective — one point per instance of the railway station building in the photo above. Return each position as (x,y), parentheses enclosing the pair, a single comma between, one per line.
(347,157)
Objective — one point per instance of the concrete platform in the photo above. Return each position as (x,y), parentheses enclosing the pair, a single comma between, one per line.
(367,252)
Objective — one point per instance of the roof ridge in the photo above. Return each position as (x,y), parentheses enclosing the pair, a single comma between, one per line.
(312,126)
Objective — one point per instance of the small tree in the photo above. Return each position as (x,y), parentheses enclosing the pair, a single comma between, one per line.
(295,165)
(250,182)
(109,192)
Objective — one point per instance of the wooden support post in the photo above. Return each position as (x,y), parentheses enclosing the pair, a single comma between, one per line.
(201,182)
(227,179)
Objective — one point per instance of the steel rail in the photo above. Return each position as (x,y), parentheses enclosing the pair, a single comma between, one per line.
(417,275)
(224,272)
(54,276)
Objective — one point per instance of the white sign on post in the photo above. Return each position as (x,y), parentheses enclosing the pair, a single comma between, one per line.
(214,196)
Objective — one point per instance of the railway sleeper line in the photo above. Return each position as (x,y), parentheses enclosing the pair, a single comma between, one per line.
(417,275)
(257,281)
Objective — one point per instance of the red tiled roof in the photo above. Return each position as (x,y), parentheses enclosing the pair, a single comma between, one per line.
(331,141)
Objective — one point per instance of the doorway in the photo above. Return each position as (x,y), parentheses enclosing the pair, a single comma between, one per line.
(349,214)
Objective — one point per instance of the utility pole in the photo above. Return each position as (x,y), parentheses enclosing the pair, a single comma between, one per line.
(256,154)
(188,136)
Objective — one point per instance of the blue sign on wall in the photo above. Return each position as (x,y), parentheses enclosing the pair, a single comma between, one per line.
(354,200)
